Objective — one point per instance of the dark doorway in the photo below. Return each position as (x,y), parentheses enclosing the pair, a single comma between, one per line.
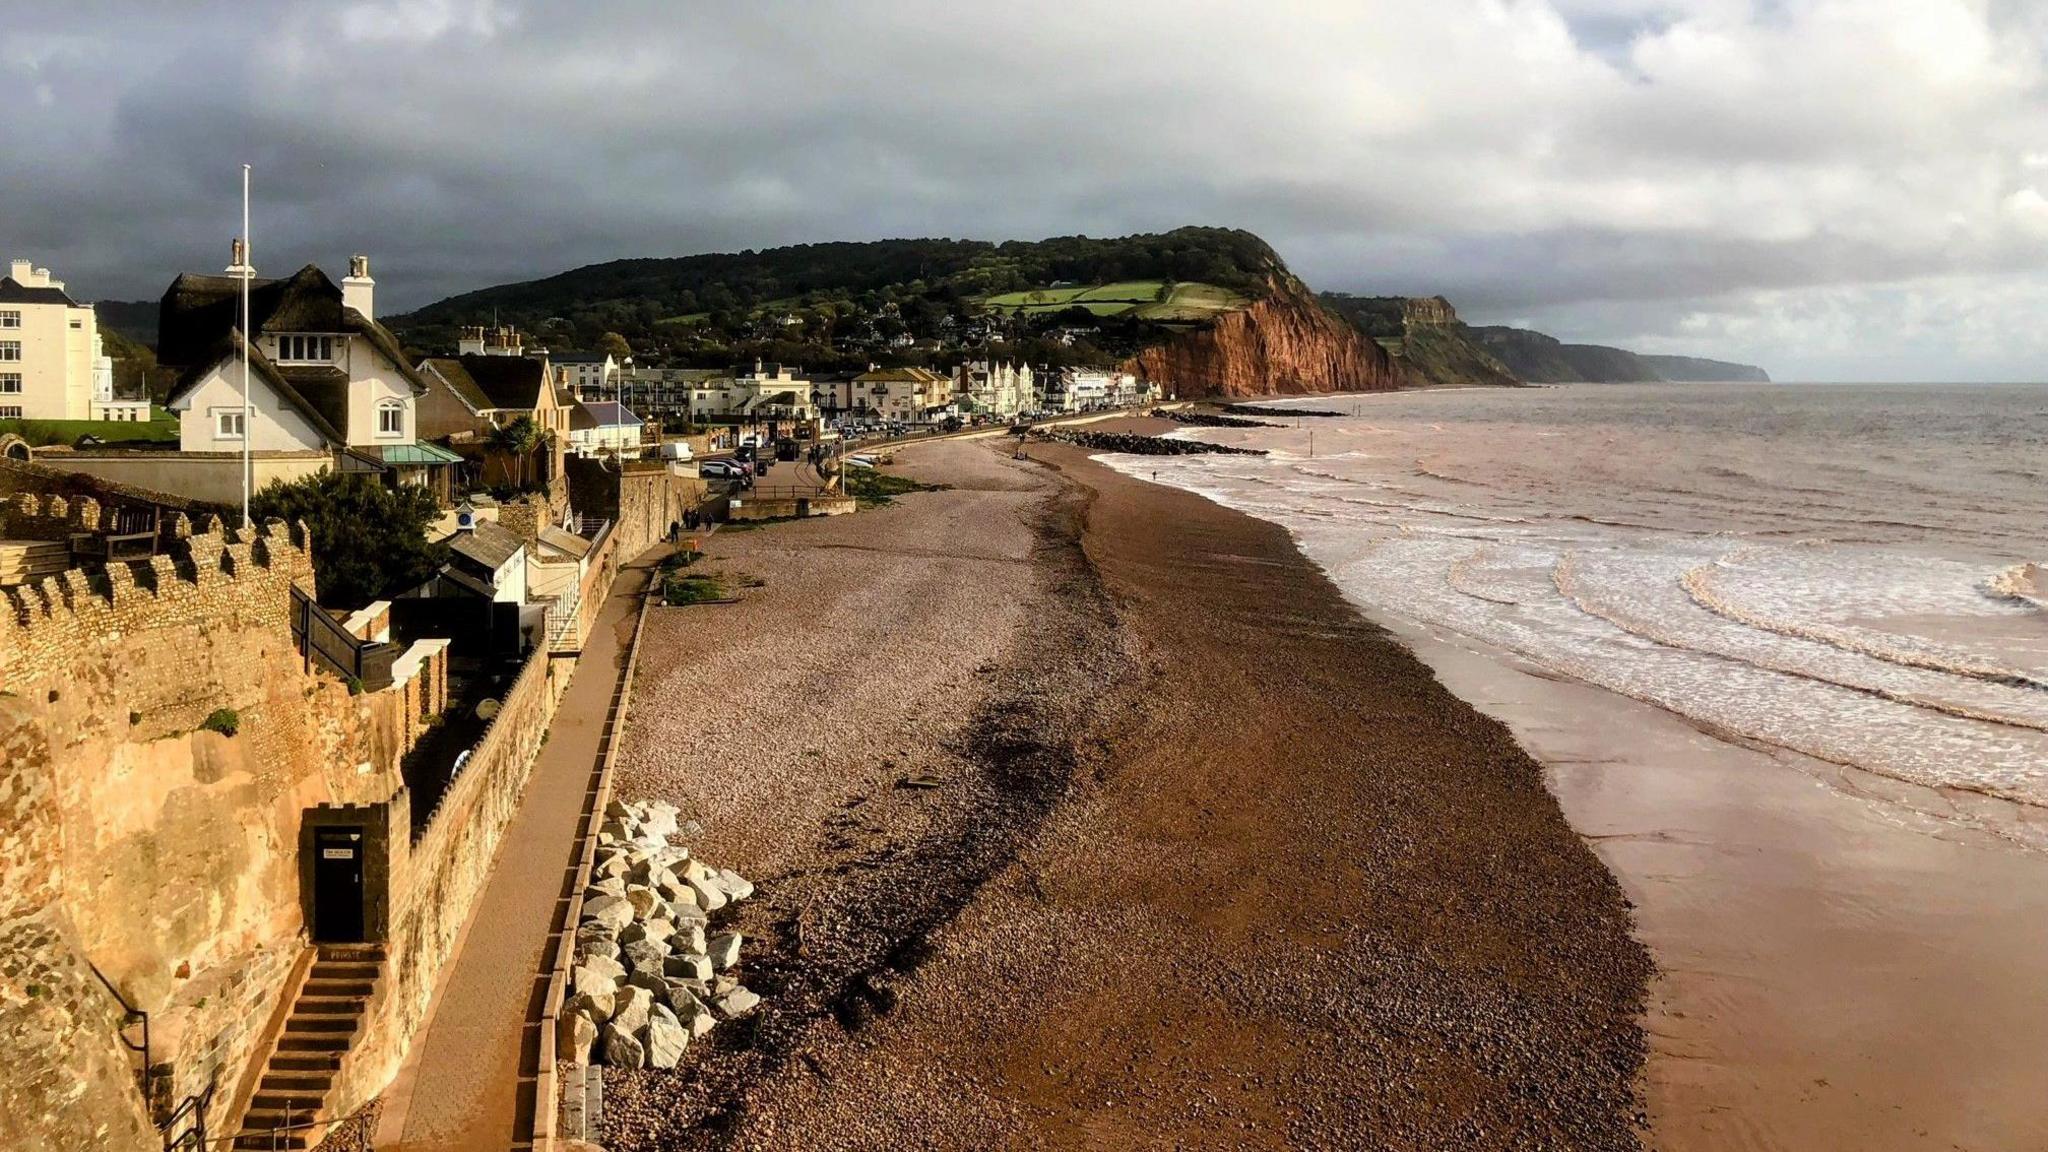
(338,884)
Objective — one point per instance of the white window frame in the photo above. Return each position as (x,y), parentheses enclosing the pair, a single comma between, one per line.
(10,351)
(10,383)
(222,417)
(393,407)
(10,411)
(78,323)
(304,348)
(11,318)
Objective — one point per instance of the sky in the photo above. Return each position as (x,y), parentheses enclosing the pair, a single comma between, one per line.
(1834,189)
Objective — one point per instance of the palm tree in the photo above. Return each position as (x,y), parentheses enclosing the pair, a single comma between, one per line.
(519,438)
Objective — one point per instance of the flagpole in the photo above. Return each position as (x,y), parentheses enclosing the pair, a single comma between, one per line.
(248,429)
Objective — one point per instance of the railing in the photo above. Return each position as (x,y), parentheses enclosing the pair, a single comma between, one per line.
(786,492)
(185,1127)
(286,1132)
(192,1115)
(130,1015)
(319,635)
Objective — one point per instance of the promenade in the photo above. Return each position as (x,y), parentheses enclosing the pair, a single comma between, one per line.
(469,1080)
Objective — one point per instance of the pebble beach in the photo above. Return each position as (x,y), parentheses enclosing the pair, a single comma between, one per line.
(1084,813)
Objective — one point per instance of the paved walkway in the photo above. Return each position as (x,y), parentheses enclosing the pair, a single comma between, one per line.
(469,1080)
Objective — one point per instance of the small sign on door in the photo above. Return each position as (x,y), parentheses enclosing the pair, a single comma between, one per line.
(337,853)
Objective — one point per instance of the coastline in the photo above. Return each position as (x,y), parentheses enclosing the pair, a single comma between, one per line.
(1831,973)
(1836,968)
(1219,863)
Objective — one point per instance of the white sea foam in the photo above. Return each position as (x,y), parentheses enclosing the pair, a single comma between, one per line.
(1773,579)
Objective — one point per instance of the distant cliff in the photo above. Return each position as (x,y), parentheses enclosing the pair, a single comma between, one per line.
(1693,368)
(1286,342)
(1544,359)
(1430,345)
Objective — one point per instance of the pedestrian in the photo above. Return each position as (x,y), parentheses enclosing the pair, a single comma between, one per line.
(674,532)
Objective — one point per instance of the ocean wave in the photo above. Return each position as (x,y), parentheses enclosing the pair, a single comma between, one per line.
(1933,694)
(2025,583)
(1462,576)
(1703,585)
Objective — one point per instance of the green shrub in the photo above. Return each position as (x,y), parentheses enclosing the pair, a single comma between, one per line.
(369,541)
(223,721)
(677,591)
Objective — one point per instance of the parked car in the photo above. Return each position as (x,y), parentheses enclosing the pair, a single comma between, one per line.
(720,470)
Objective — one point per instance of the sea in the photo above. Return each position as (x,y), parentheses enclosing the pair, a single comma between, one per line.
(1852,573)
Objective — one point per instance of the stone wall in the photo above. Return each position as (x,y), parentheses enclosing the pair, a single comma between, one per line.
(136,839)
(435,883)
(528,514)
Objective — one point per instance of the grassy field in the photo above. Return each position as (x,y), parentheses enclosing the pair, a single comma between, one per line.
(162,427)
(1189,301)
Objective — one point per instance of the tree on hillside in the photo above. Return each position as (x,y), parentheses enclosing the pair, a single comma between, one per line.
(369,542)
(615,345)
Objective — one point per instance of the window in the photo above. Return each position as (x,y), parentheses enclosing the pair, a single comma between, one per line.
(10,411)
(227,423)
(10,350)
(305,348)
(10,319)
(10,382)
(390,418)
(77,323)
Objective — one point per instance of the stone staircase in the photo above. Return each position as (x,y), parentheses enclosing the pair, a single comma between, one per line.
(323,1024)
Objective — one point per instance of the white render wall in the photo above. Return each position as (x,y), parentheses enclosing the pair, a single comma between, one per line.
(276,427)
(56,364)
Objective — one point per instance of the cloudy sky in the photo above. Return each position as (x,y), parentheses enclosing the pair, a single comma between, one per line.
(1836,189)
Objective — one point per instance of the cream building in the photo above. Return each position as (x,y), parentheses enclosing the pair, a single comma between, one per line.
(764,394)
(908,395)
(998,390)
(51,363)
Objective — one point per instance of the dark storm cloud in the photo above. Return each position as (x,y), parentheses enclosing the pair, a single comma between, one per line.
(1677,172)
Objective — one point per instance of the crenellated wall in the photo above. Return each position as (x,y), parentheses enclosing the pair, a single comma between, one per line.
(136,838)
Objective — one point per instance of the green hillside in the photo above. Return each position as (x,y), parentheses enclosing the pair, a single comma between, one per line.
(849,304)
(1434,347)
(1165,301)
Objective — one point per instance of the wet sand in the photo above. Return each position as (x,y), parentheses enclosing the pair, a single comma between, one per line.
(1833,972)
(1214,863)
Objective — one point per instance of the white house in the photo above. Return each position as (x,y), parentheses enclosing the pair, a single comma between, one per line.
(51,364)
(487,560)
(603,426)
(328,385)
(764,393)
(588,375)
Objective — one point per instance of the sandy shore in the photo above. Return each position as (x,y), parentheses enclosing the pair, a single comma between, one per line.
(1833,974)
(1213,863)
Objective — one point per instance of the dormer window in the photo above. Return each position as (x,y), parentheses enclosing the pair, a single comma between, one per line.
(298,349)
(390,418)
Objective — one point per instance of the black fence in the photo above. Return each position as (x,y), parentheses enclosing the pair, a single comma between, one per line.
(322,640)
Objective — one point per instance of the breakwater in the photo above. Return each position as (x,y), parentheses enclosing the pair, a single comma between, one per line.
(1144,445)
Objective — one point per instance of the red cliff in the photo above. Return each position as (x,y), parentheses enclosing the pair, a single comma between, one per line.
(1287,343)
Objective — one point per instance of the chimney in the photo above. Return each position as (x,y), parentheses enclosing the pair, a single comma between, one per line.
(239,267)
(22,272)
(358,290)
